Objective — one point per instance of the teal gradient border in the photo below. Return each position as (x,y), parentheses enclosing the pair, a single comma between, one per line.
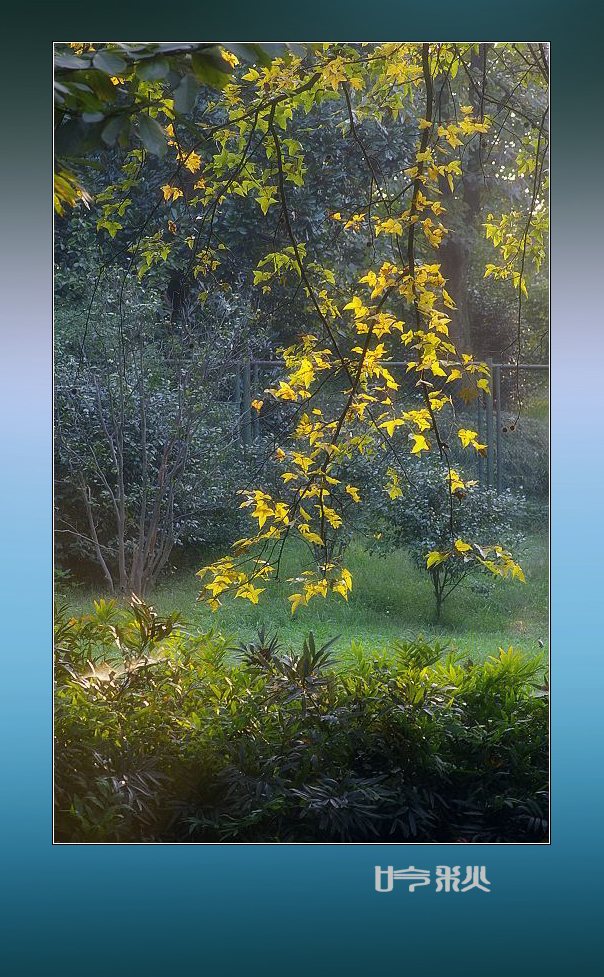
(280,910)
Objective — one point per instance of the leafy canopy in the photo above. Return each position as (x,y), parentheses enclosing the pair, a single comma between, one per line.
(248,143)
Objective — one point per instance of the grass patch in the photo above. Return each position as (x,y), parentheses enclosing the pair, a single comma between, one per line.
(391,600)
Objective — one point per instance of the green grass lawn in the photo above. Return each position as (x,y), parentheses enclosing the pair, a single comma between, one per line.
(391,600)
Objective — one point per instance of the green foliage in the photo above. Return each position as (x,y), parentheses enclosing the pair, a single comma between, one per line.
(246,181)
(391,599)
(145,423)
(179,743)
(421,518)
(108,94)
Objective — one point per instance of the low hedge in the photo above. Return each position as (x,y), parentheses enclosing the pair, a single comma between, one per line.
(164,735)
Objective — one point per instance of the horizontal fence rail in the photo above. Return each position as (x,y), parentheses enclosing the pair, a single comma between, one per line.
(243,384)
(489,423)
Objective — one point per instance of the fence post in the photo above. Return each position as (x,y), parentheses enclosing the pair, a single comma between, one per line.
(246,404)
(497,386)
(237,400)
(479,425)
(256,391)
(490,445)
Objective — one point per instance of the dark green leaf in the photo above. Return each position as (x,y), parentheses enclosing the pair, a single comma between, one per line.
(71,61)
(99,82)
(151,135)
(211,69)
(109,62)
(153,70)
(112,129)
(75,138)
(186,93)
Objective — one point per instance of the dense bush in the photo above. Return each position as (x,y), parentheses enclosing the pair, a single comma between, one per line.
(419,519)
(147,457)
(163,735)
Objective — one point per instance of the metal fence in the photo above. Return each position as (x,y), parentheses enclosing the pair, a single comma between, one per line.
(494,415)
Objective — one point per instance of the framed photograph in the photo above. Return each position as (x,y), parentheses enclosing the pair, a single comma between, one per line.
(300,491)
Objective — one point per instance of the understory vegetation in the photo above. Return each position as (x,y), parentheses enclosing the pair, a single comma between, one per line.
(164,734)
(391,600)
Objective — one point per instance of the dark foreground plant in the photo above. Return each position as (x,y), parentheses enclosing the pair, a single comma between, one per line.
(184,743)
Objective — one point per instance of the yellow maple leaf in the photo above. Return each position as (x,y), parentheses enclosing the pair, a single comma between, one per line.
(171,193)
(435,558)
(466,436)
(420,444)
(308,535)
(391,424)
(192,161)
(249,592)
(462,547)
(296,600)
(262,511)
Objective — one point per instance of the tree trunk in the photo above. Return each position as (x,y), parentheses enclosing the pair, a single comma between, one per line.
(456,247)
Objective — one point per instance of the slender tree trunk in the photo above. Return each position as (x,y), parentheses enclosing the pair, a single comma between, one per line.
(87,496)
(455,251)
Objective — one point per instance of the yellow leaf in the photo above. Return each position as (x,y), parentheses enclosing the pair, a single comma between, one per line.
(389,226)
(314,589)
(339,587)
(193,161)
(229,57)
(171,193)
(447,300)
(420,444)
(249,592)
(262,512)
(309,536)
(296,600)
(333,518)
(391,424)
(357,307)
(462,547)
(435,558)
(456,483)
(466,436)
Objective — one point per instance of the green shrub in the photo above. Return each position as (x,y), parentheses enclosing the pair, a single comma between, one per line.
(165,735)
(420,520)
